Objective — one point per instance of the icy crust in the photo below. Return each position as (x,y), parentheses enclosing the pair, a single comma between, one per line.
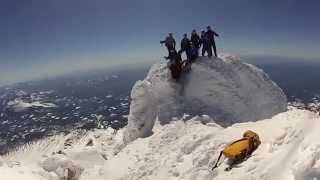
(226,89)
(179,150)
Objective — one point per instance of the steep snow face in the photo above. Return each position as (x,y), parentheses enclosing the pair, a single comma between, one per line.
(226,89)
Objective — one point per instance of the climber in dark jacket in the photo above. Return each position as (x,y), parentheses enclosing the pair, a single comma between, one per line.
(175,63)
(206,44)
(210,33)
(195,39)
(185,43)
(192,53)
(169,42)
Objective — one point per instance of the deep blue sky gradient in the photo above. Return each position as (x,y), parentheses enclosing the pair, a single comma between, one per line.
(61,33)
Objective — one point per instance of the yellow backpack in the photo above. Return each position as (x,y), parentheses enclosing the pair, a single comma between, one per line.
(242,148)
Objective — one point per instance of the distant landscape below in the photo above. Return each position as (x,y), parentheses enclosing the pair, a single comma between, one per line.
(297,77)
(33,110)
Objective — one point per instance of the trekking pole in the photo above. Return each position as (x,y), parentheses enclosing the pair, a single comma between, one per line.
(216,165)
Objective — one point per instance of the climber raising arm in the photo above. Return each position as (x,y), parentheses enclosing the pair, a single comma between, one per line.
(216,34)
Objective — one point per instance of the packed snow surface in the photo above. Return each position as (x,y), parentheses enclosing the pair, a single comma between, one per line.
(226,89)
(179,150)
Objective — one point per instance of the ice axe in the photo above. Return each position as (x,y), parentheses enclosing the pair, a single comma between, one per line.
(216,164)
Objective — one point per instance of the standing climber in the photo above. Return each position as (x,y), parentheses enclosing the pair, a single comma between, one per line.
(185,43)
(210,33)
(169,42)
(206,45)
(195,39)
(191,53)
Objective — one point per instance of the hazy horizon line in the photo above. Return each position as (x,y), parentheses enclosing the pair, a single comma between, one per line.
(132,64)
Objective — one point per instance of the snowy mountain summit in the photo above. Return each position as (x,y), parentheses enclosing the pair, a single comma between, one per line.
(226,89)
(226,96)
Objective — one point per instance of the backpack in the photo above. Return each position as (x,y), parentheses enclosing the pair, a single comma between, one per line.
(242,148)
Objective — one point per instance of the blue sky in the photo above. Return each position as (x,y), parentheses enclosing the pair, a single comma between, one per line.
(39,38)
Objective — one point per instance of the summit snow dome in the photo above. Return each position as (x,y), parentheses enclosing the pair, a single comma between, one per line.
(227,90)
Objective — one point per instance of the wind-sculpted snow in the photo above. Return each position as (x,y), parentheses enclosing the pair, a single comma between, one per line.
(226,89)
(141,107)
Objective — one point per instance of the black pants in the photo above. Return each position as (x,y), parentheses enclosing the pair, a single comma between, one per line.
(198,51)
(207,49)
(214,49)
(170,48)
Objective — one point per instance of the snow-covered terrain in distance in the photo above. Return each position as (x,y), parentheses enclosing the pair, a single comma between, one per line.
(226,89)
(177,150)
(19,105)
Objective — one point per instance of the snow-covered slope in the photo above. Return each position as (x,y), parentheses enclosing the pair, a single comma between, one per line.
(176,151)
(50,159)
(226,89)
(290,150)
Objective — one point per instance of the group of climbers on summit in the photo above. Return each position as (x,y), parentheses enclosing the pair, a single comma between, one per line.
(206,40)
(191,48)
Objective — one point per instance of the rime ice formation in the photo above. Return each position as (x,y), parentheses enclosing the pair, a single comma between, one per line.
(226,89)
